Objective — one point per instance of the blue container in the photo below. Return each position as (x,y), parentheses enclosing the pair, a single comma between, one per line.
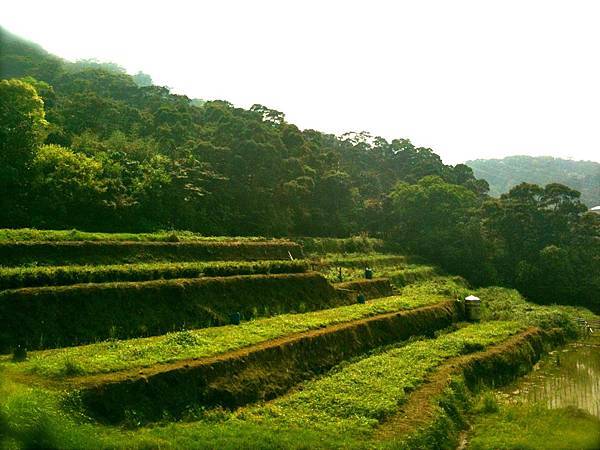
(235,318)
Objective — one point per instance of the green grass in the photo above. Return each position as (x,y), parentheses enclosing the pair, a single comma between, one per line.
(385,265)
(358,260)
(508,304)
(400,273)
(359,395)
(17,277)
(31,234)
(356,244)
(110,356)
(521,426)
(337,410)
(31,276)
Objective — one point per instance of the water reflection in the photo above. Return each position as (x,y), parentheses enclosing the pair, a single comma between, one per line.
(566,377)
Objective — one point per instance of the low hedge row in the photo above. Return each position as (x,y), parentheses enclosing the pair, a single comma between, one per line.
(413,274)
(377,287)
(116,252)
(70,315)
(355,244)
(19,277)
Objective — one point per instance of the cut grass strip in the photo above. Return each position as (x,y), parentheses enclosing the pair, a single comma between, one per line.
(399,273)
(112,356)
(18,277)
(355,244)
(31,234)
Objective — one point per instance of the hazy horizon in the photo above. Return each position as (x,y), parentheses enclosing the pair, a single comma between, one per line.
(468,80)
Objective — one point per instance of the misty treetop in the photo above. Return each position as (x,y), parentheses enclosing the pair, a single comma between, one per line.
(85,145)
(503,174)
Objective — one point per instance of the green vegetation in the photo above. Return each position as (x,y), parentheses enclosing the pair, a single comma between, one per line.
(319,246)
(539,240)
(18,277)
(341,409)
(97,149)
(503,174)
(351,399)
(287,422)
(507,304)
(56,316)
(117,156)
(84,145)
(33,253)
(33,235)
(127,354)
(519,426)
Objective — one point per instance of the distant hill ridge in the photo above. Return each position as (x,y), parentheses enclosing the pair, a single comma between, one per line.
(503,174)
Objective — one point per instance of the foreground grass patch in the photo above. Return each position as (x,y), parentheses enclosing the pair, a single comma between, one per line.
(533,427)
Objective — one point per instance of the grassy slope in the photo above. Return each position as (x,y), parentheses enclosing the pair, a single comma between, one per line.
(116,355)
(340,409)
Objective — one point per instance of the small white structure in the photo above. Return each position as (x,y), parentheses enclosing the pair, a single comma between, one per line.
(473,308)
(595,209)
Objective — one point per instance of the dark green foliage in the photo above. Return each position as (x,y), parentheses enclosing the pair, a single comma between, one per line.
(61,316)
(158,160)
(539,239)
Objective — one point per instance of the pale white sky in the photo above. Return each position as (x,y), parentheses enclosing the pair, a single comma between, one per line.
(470,79)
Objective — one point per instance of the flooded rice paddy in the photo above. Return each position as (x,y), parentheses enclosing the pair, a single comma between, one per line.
(569,376)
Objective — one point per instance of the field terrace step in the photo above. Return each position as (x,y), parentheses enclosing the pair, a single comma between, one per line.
(20,277)
(345,405)
(258,372)
(112,252)
(49,317)
(361,395)
(131,354)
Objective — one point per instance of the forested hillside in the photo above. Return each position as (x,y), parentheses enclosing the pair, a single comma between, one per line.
(118,156)
(503,174)
(84,145)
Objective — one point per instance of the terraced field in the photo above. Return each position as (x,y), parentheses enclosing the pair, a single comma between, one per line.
(262,344)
